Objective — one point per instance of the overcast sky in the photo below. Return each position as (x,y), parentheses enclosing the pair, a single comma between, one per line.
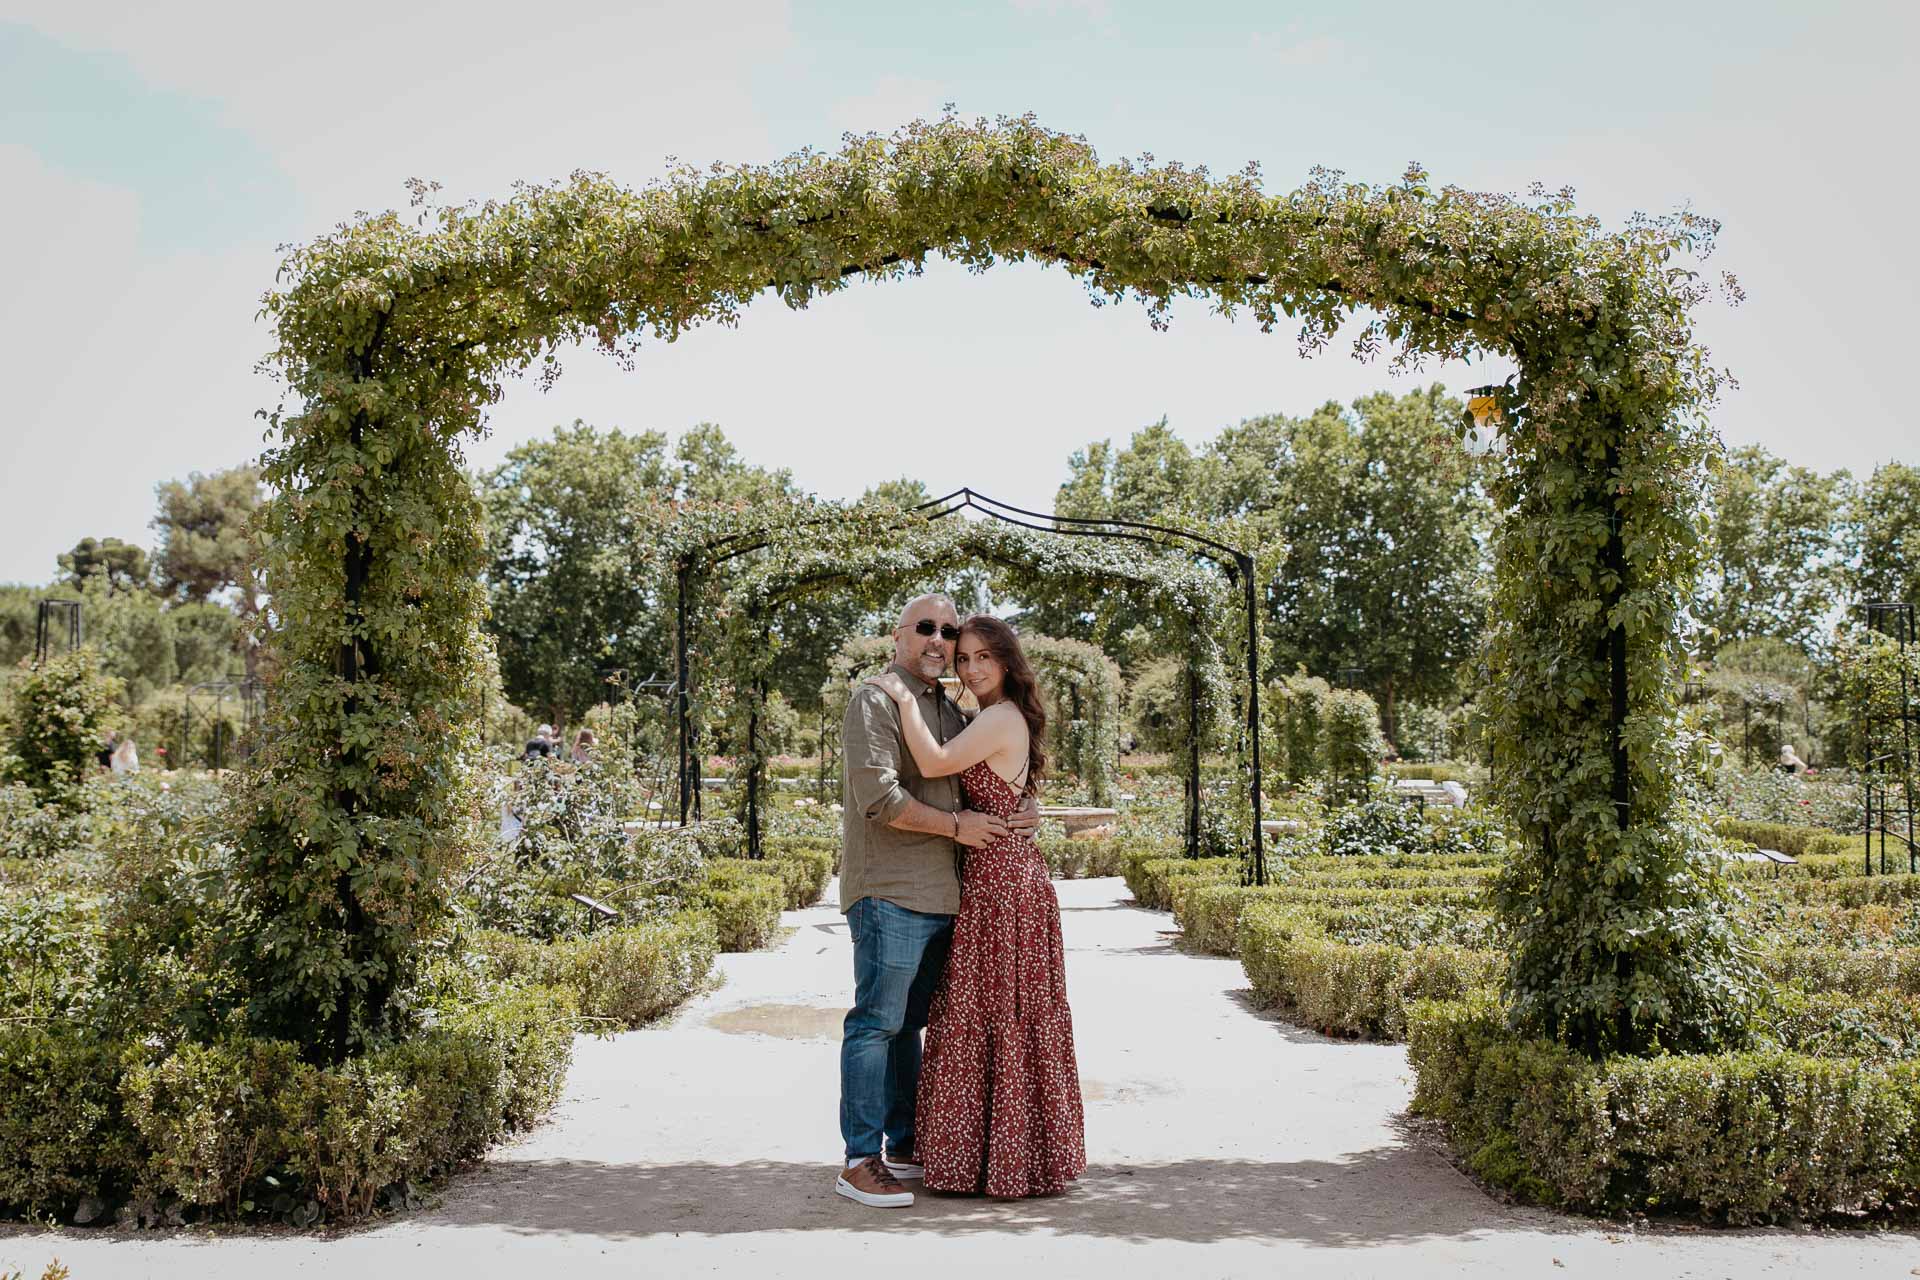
(153,157)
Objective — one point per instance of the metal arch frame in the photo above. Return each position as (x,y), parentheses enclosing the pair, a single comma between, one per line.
(1235,563)
(44,627)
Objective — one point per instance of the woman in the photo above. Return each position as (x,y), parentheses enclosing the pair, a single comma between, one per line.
(999,1109)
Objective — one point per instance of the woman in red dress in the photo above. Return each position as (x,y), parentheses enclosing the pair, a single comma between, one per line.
(999,1110)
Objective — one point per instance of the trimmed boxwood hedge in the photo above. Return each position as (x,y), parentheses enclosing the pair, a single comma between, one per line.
(803,873)
(203,1127)
(744,900)
(1850,970)
(623,978)
(1150,875)
(1350,988)
(1796,842)
(1740,1137)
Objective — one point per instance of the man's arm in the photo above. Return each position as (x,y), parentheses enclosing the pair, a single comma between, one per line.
(870,741)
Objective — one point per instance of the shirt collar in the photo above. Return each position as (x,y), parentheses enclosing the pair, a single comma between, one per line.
(919,686)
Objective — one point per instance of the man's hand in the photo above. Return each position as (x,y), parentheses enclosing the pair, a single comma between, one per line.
(1026,819)
(978,829)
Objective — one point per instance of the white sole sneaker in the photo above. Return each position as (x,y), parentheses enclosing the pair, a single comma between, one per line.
(899,1170)
(890,1200)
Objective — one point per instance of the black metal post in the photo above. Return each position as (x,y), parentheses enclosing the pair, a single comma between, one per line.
(1193,765)
(682,705)
(1253,716)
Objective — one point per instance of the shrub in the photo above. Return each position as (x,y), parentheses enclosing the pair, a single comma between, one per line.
(1854,970)
(56,724)
(62,1132)
(30,829)
(803,874)
(1150,877)
(744,901)
(623,977)
(1352,988)
(1379,824)
(1796,842)
(1745,1137)
(1354,743)
(1300,701)
(207,1125)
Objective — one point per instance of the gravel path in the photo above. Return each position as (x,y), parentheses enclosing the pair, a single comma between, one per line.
(1222,1143)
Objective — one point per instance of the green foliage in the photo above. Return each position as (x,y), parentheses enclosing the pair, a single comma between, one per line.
(55,725)
(744,900)
(1378,512)
(1300,708)
(244,1126)
(393,339)
(1885,532)
(1351,985)
(1774,555)
(206,546)
(114,565)
(1795,841)
(1353,741)
(1151,875)
(1156,706)
(623,978)
(1741,1137)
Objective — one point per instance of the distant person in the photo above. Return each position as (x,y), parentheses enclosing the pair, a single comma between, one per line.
(541,744)
(583,746)
(108,744)
(125,758)
(1790,762)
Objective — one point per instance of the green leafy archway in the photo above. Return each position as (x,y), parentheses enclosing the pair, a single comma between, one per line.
(734,568)
(394,338)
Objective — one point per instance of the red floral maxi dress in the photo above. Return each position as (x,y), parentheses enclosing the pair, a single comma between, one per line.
(999,1108)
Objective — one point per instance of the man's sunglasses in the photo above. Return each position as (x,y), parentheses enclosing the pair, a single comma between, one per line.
(948,631)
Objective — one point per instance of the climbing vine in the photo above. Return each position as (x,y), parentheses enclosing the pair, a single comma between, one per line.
(395,336)
(737,567)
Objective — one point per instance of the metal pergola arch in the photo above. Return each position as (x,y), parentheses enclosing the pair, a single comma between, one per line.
(1238,566)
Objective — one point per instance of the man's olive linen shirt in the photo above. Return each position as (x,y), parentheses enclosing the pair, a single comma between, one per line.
(907,868)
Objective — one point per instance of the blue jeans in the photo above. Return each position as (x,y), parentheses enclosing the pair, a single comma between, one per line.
(898,957)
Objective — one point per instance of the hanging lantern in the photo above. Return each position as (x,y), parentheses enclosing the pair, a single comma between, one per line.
(1483,406)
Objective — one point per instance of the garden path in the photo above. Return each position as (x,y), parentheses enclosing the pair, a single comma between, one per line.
(1222,1143)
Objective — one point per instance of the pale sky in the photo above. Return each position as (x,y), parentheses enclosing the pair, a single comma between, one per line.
(152,157)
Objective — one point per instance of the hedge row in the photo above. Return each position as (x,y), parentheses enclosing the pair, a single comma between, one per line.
(623,977)
(1210,912)
(247,1126)
(1351,988)
(1847,970)
(1747,1137)
(1150,875)
(1796,842)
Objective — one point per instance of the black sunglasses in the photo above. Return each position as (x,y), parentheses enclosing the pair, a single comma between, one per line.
(948,631)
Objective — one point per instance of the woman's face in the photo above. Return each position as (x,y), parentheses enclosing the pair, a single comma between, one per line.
(977,668)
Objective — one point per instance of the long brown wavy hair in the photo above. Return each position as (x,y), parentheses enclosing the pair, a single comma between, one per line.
(1021,688)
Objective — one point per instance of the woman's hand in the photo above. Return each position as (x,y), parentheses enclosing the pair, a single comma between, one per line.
(893,686)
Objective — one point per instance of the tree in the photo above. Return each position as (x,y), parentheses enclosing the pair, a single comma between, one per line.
(1884,532)
(563,517)
(1381,516)
(1774,558)
(205,542)
(120,565)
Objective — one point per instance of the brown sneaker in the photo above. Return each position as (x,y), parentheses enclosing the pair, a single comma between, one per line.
(871,1183)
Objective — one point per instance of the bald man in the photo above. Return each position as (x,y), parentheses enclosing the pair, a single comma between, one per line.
(899,889)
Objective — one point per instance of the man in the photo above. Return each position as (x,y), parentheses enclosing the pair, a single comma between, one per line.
(899,889)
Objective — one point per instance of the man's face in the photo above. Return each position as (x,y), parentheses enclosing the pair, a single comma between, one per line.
(925,656)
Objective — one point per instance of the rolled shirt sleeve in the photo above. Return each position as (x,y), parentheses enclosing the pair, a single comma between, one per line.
(870,739)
